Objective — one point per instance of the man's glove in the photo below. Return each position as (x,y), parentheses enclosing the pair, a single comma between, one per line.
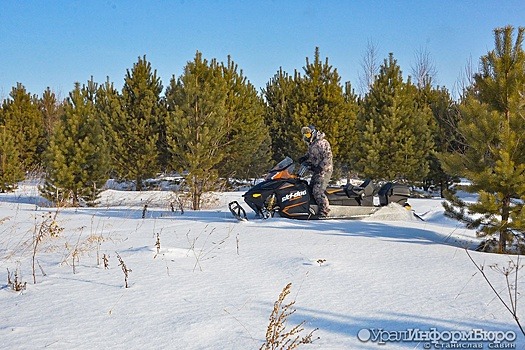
(315,169)
(302,159)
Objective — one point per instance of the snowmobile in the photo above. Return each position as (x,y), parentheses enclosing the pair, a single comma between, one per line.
(286,193)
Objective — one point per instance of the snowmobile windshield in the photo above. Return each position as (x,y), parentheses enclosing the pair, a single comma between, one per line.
(283,169)
(283,164)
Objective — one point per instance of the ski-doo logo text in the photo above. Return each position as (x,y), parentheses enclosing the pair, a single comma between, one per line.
(293,195)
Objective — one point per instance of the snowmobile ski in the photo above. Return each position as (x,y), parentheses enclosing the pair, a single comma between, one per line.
(238,211)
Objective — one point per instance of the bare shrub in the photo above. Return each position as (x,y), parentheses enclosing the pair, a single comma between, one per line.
(510,273)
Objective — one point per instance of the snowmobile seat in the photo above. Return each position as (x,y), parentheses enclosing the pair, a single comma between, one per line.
(350,195)
(364,189)
(393,193)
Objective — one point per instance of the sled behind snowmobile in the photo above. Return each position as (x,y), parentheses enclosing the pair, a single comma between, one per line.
(286,194)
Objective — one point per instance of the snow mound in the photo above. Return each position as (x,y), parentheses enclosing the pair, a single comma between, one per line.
(393,212)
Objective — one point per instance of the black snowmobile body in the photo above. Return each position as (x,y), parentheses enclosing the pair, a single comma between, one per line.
(287,194)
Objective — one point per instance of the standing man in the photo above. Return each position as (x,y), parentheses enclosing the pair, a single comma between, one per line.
(319,159)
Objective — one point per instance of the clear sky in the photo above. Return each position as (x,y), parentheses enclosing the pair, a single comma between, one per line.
(58,42)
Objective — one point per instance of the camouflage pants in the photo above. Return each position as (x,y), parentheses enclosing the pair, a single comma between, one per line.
(319,183)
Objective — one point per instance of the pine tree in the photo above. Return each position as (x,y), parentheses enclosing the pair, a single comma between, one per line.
(349,135)
(77,158)
(247,140)
(446,138)
(51,109)
(108,103)
(492,127)
(10,171)
(318,99)
(395,135)
(279,96)
(24,120)
(197,125)
(135,132)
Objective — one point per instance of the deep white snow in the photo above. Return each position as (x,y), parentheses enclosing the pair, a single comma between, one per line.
(213,282)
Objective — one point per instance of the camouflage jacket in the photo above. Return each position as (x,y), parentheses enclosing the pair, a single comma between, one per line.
(320,155)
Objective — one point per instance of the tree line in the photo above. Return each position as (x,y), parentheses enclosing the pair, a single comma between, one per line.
(212,123)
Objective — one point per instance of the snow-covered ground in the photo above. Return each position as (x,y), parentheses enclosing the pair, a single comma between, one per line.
(213,281)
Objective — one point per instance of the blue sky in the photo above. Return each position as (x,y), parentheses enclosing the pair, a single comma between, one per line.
(56,43)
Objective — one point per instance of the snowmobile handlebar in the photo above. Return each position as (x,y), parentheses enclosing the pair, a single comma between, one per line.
(303,168)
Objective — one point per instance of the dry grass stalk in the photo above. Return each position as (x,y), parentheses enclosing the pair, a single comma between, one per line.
(81,247)
(179,202)
(205,252)
(97,240)
(124,269)
(75,251)
(47,228)
(105,260)
(277,336)
(157,245)
(41,268)
(15,284)
(75,256)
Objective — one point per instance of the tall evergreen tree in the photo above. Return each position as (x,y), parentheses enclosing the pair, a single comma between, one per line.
(321,101)
(24,120)
(108,103)
(492,127)
(445,135)
(135,132)
(395,134)
(279,96)
(51,109)
(77,158)
(349,135)
(10,170)
(247,140)
(318,99)
(197,125)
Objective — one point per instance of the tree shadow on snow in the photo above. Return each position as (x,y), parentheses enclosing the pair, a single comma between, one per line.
(16,198)
(135,213)
(386,231)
